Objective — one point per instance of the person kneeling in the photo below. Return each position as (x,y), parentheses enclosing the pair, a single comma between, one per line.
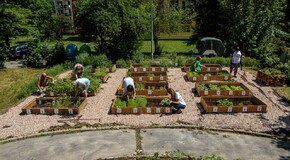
(176,101)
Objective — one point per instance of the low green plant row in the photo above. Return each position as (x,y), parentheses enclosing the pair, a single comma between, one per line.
(220,73)
(219,87)
(228,103)
(137,102)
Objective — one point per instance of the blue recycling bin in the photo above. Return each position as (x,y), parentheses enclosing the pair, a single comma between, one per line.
(71,50)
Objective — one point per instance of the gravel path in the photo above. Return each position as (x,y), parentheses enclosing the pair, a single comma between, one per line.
(12,124)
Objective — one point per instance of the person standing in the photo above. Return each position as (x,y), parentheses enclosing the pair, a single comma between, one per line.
(176,101)
(83,84)
(77,71)
(235,61)
(128,87)
(195,66)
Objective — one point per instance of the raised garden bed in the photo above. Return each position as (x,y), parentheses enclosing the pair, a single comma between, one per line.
(112,69)
(232,104)
(138,74)
(208,76)
(147,90)
(55,106)
(148,69)
(152,106)
(150,78)
(221,88)
(204,67)
(271,80)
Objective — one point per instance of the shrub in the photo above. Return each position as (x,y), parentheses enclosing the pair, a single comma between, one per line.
(138,57)
(35,58)
(121,63)
(84,59)
(56,55)
(101,61)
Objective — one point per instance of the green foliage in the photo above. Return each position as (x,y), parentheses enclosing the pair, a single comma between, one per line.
(61,86)
(163,88)
(139,86)
(63,102)
(181,60)
(150,74)
(120,103)
(121,63)
(84,58)
(222,73)
(151,87)
(236,88)
(225,87)
(35,57)
(117,26)
(140,101)
(3,55)
(165,102)
(94,84)
(271,71)
(100,73)
(202,86)
(56,55)
(138,57)
(213,87)
(241,104)
(193,74)
(145,63)
(164,62)
(101,61)
(224,102)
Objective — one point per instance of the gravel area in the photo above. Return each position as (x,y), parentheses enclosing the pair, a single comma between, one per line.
(13,124)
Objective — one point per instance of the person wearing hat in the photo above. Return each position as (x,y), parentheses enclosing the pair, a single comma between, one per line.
(195,66)
(83,84)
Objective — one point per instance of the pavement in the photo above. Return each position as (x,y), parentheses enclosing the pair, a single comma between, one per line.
(109,144)
(13,64)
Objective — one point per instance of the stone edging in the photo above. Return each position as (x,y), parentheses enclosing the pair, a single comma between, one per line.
(85,129)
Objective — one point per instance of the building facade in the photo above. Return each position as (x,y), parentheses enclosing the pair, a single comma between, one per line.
(66,9)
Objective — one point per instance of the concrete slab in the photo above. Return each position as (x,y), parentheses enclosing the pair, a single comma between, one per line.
(227,145)
(84,145)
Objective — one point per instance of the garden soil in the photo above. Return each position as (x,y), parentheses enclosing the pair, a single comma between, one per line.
(14,124)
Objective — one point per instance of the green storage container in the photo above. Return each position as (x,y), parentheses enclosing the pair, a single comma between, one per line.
(85,48)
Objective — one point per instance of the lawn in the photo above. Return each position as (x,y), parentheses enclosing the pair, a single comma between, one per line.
(284,92)
(178,46)
(12,81)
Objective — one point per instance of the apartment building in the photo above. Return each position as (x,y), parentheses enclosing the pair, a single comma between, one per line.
(66,8)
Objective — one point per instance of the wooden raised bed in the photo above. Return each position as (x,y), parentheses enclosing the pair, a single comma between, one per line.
(271,80)
(160,73)
(244,92)
(252,104)
(112,69)
(39,106)
(149,69)
(203,77)
(151,108)
(150,78)
(147,92)
(204,67)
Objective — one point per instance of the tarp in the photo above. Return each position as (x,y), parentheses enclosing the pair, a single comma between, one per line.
(210,43)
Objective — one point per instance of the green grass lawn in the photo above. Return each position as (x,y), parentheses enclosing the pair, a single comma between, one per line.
(284,91)
(178,46)
(12,81)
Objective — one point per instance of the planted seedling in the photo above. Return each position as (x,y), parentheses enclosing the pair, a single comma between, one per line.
(202,87)
(224,102)
(165,102)
(225,87)
(222,73)
(120,103)
(236,88)
(193,74)
(213,87)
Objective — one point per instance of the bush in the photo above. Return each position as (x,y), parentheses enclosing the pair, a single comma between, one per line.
(35,57)
(84,59)
(56,55)
(121,63)
(101,61)
(138,57)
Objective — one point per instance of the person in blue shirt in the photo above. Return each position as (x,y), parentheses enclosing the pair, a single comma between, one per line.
(83,84)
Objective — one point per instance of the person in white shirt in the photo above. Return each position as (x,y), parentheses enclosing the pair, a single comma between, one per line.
(128,87)
(235,61)
(176,101)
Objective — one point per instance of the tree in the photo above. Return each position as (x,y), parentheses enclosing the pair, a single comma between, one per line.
(168,18)
(116,26)
(14,21)
(249,24)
